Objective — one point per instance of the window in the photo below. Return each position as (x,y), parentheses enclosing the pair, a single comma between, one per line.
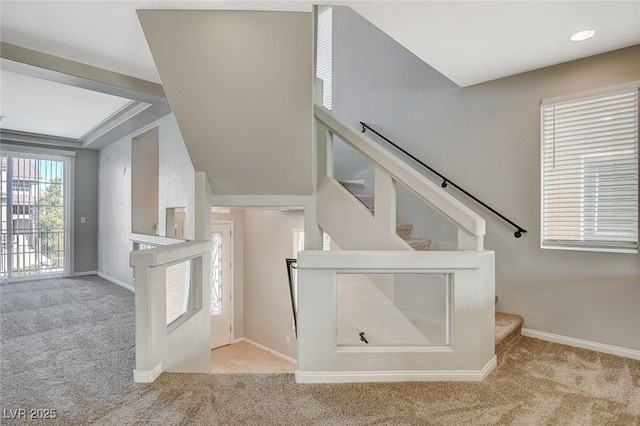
(324,52)
(180,289)
(21,185)
(590,172)
(21,209)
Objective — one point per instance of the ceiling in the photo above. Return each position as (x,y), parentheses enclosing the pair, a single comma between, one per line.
(61,110)
(469,42)
(478,41)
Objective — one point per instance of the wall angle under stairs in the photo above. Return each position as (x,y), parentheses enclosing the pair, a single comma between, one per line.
(240,90)
(363,307)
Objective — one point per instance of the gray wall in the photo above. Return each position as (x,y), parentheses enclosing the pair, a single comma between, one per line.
(487,138)
(115,196)
(86,204)
(267,304)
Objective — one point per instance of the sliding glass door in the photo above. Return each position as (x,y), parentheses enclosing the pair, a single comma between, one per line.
(35,215)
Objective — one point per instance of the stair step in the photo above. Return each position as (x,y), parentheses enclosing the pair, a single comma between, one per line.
(508,330)
(419,244)
(367,200)
(353,187)
(404,230)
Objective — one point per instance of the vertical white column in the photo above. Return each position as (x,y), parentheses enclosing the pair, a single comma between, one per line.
(385,200)
(150,322)
(468,241)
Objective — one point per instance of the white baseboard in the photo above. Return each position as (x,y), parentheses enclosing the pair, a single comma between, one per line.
(584,344)
(264,348)
(117,281)
(85,273)
(147,376)
(396,376)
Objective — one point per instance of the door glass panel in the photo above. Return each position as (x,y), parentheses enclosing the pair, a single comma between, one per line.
(216,274)
(33,215)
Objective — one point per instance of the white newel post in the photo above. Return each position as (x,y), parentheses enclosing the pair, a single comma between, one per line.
(385,200)
(150,312)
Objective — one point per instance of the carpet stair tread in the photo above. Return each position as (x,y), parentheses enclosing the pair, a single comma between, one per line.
(508,330)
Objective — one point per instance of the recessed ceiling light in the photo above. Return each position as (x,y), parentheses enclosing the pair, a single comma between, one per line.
(582,35)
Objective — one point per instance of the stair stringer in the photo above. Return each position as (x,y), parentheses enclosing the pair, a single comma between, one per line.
(351,224)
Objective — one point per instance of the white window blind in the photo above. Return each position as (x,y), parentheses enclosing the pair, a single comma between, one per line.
(324,42)
(590,173)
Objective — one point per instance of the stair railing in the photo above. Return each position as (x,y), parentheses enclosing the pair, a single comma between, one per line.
(291,266)
(446,181)
(389,170)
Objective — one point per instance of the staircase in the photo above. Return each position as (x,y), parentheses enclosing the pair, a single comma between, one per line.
(418,244)
(508,330)
(402,229)
(508,326)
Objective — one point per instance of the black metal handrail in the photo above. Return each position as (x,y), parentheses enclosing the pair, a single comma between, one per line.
(294,308)
(446,181)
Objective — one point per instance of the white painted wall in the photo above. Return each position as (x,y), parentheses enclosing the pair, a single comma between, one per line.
(176,187)
(176,179)
(267,304)
(487,139)
(145,149)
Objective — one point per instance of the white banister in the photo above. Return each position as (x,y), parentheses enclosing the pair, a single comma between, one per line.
(154,240)
(169,254)
(471,225)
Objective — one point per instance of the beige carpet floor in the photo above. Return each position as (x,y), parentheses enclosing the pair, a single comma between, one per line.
(68,345)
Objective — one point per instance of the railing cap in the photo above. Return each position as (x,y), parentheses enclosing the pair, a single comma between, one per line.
(363,261)
(169,254)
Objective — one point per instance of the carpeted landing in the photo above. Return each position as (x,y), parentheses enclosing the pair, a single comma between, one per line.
(68,345)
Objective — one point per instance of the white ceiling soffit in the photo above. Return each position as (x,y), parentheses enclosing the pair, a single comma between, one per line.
(40,106)
(477,41)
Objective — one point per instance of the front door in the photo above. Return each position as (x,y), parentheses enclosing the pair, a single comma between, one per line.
(221,285)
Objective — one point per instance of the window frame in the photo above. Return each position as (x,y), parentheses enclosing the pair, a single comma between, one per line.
(590,239)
